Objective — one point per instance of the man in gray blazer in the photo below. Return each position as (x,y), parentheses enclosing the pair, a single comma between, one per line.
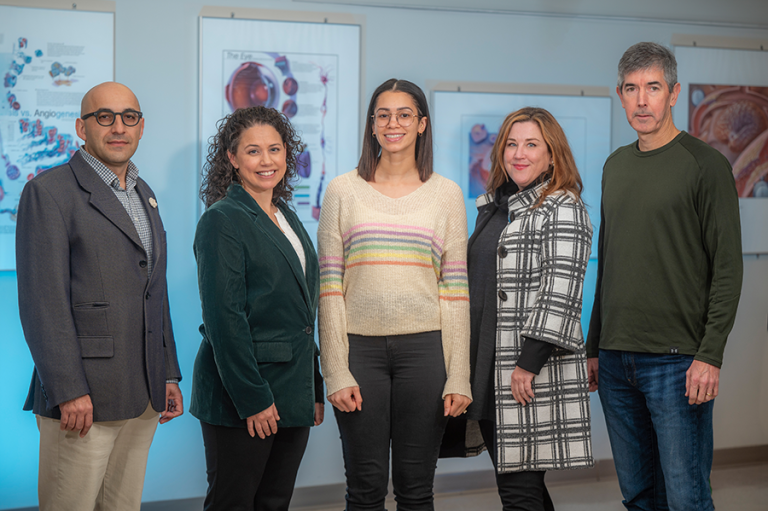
(93,301)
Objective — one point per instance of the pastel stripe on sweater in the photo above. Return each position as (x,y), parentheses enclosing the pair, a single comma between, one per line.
(331,276)
(392,245)
(454,284)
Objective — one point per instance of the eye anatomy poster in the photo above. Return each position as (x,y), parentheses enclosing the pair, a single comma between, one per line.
(48,60)
(466,125)
(308,71)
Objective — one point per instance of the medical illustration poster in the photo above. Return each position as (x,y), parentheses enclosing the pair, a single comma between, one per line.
(308,71)
(466,125)
(48,60)
(734,120)
(724,101)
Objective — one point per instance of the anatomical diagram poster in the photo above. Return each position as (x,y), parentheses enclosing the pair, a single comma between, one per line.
(308,71)
(734,120)
(48,60)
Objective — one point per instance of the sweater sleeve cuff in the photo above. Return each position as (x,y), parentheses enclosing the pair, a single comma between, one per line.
(456,385)
(534,354)
(339,380)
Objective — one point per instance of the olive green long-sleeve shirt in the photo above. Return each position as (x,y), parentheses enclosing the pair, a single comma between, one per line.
(669,252)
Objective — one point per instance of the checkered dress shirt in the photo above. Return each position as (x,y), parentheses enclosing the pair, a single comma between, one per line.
(129,198)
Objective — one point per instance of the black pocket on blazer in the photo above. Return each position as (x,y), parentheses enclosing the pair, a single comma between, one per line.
(96,347)
(272,351)
(91,319)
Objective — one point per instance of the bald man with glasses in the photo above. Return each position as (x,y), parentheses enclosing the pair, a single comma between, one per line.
(93,301)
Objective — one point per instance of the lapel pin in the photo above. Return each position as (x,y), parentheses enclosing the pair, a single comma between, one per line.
(152,202)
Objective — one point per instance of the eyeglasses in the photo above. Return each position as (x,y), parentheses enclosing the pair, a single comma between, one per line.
(107,117)
(403,118)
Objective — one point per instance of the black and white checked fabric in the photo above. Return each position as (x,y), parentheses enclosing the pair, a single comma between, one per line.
(542,259)
(130,200)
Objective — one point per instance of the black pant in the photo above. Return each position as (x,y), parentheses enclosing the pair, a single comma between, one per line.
(251,474)
(519,491)
(401,382)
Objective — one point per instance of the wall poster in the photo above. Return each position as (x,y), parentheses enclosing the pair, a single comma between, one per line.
(309,71)
(48,60)
(466,124)
(734,120)
(724,101)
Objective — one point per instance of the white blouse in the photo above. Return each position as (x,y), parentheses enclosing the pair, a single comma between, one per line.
(293,238)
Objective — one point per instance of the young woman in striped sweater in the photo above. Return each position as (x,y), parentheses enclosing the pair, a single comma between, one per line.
(394,304)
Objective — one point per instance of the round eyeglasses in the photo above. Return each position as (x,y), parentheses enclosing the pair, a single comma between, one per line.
(107,117)
(403,118)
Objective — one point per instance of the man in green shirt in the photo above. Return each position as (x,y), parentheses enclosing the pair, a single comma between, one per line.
(669,279)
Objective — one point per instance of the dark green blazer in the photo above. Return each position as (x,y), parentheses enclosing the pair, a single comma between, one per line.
(259,314)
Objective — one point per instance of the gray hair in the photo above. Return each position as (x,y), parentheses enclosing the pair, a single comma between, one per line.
(647,55)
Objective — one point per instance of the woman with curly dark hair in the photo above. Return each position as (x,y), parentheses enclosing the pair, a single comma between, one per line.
(256,385)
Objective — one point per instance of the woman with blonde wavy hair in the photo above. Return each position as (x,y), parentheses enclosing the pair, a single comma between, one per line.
(526,261)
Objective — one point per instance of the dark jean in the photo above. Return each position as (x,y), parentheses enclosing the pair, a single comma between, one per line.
(250,474)
(401,379)
(662,446)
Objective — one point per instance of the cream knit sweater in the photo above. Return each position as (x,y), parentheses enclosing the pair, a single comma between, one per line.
(392,267)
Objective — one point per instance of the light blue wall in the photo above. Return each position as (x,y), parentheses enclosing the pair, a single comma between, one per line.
(157,56)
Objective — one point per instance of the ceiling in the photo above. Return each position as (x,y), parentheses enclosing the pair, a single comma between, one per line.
(741,13)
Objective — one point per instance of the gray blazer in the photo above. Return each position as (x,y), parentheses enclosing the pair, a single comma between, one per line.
(93,322)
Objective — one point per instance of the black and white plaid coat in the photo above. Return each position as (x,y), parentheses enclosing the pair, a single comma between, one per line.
(541,262)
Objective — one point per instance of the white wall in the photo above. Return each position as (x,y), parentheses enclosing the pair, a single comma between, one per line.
(157,56)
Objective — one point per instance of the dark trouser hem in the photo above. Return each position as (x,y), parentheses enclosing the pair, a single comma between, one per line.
(245,473)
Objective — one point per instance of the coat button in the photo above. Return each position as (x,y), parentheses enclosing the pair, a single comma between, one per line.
(142,264)
(502,295)
(308,330)
(502,251)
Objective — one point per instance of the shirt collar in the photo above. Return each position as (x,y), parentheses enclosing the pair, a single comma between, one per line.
(109,177)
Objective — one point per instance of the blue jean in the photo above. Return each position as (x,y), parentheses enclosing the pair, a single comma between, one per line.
(662,446)
(401,380)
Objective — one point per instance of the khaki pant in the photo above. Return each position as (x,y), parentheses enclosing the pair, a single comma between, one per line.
(102,472)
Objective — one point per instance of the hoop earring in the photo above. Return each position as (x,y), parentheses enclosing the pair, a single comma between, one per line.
(421,134)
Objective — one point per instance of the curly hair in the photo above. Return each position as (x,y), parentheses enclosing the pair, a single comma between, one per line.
(565,175)
(218,172)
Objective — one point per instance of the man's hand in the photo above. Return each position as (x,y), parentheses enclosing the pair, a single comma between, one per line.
(347,399)
(319,413)
(174,403)
(702,382)
(522,390)
(263,423)
(593,365)
(455,404)
(77,415)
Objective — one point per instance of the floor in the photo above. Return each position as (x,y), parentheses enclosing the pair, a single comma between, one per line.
(741,488)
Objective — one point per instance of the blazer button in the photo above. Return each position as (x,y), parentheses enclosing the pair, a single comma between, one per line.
(148,296)
(308,330)
(502,251)
(142,264)
(502,295)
